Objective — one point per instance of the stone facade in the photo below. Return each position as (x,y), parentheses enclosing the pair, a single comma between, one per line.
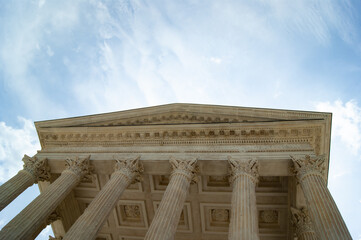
(181,171)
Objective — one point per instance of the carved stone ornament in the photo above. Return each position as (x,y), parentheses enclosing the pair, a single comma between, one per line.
(220,215)
(188,168)
(39,169)
(131,168)
(304,166)
(80,167)
(246,167)
(54,216)
(301,221)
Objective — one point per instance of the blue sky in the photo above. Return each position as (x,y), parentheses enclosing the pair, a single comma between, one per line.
(70,58)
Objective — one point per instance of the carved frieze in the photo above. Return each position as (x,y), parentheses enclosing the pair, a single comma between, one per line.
(268,216)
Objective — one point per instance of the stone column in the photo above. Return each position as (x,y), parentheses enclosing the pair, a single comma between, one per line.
(302,222)
(31,218)
(165,221)
(34,170)
(90,222)
(324,213)
(244,216)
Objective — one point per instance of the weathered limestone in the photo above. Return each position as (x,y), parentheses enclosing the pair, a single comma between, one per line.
(244,217)
(34,170)
(31,218)
(303,224)
(165,221)
(323,210)
(90,222)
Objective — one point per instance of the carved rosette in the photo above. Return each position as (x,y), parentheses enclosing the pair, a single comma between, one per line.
(130,168)
(307,165)
(79,167)
(243,167)
(38,169)
(302,221)
(187,168)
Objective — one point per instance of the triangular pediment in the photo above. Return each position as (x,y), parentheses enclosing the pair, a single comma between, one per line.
(184,114)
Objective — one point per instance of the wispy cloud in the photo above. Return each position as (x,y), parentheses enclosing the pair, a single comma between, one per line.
(14,143)
(346,122)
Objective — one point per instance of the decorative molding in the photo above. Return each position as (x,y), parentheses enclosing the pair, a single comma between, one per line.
(38,169)
(268,216)
(307,165)
(130,168)
(187,168)
(79,167)
(198,136)
(301,221)
(243,167)
(131,214)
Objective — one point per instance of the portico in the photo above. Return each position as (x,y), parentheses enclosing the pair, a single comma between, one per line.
(185,171)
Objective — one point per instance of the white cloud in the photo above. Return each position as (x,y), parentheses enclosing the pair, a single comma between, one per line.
(14,143)
(346,122)
(49,51)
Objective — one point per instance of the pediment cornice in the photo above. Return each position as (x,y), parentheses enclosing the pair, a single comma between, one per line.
(184,114)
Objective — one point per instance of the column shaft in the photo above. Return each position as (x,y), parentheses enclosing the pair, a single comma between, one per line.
(165,221)
(323,210)
(34,215)
(14,187)
(244,217)
(34,170)
(24,225)
(90,222)
(307,236)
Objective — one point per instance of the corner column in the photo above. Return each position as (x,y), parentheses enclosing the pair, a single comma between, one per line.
(90,222)
(324,213)
(244,216)
(34,170)
(165,221)
(302,222)
(31,218)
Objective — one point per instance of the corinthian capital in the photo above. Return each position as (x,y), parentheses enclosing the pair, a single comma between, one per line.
(245,167)
(303,166)
(188,168)
(301,220)
(39,169)
(131,168)
(80,167)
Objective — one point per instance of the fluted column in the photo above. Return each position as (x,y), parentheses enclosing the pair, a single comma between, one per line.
(90,222)
(31,218)
(244,216)
(165,221)
(34,170)
(324,213)
(303,224)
